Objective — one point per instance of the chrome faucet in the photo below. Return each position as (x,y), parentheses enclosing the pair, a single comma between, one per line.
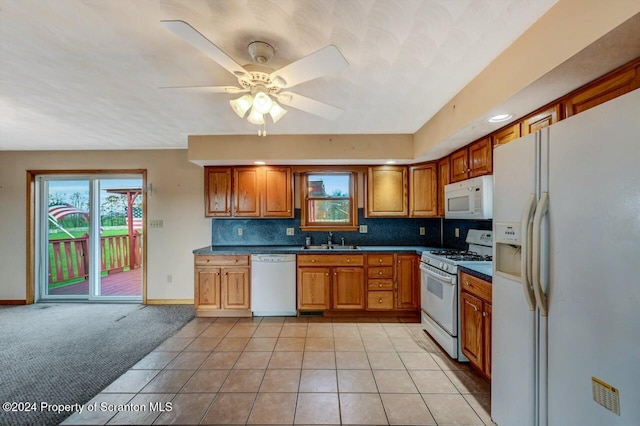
(330,238)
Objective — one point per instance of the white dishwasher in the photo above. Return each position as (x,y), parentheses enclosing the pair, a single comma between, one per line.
(273,285)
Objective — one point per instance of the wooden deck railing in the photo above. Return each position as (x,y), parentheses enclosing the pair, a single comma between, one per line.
(69,257)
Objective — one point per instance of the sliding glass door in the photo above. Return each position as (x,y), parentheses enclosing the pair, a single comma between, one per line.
(90,237)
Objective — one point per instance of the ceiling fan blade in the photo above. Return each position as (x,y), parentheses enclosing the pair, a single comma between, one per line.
(309,105)
(208,89)
(327,60)
(197,40)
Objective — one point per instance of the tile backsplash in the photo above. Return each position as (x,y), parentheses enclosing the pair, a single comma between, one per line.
(449,226)
(381,231)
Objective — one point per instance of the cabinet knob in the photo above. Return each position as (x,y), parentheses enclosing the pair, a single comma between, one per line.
(380,300)
(475,308)
(313,260)
(380,284)
(484,314)
(335,273)
(327,274)
(348,260)
(380,273)
(380,260)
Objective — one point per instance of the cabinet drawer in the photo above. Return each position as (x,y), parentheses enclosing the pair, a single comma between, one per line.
(380,272)
(330,260)
(383,284)
(377,300)
(222,260)
(380,259)
(476,286)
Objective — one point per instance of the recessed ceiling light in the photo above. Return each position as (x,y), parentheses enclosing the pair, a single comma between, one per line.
(259,163)
(390,162)
(500,118)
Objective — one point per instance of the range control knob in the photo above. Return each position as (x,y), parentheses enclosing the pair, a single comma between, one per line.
(441,265)
(446,267)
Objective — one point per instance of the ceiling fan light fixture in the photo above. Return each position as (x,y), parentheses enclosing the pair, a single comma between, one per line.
(241,105)
(255,117)
(262,102)
(276,112)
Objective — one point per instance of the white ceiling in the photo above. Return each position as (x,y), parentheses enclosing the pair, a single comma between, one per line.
(86,74)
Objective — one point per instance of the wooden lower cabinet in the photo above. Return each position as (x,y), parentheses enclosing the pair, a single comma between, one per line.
(348,288)
(381,283)
(330,281)
(476,322)
(222,286)
(407,279)
(314,286)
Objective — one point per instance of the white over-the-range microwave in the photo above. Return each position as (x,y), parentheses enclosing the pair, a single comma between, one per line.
(469,199)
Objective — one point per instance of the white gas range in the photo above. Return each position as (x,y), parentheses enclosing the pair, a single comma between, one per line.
(440,293)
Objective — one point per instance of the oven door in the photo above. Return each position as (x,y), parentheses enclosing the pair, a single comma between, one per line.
(439,297)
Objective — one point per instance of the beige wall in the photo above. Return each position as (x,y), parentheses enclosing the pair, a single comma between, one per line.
(177,199)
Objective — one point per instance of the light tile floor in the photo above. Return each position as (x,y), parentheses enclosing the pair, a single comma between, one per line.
(294,371)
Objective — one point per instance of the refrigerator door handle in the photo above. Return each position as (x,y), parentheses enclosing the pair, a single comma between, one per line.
(525,251)
(541,211)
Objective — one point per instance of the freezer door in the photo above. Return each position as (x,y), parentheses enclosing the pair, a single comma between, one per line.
(593,290)
(513,367)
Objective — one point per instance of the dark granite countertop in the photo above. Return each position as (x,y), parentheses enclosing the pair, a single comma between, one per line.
(298,249)
(482,270)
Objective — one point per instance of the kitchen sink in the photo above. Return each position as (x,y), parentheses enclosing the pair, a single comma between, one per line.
(335,247)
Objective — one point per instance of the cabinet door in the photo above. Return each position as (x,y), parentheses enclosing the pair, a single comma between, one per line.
(472,344)
(481,158)
(348,288)
(235,288)
(217,191)
(541,120)
(506,135)
(604,91)
(444,177)
(423,189)
(277,196)
(313,288)
(387,191)
(459,165)
(407,279)
(486,324)
(246,191)
(207,290)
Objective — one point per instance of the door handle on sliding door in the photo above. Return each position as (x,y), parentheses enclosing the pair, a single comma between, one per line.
(525,251)
(541,211)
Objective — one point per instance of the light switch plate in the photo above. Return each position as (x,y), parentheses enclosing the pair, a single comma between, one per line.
(290,231)
(363,229)
(158,223)
(423,230)
(240,231)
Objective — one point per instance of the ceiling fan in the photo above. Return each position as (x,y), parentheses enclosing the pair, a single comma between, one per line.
(262,84)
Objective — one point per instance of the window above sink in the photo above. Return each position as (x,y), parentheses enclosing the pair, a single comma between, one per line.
(329,201)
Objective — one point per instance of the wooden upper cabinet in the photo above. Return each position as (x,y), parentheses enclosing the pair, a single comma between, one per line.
(507,134)
(444,178)
(217,191)
(602,91)
(246,191)
(480,158)
(423,190)
(541,120)
(459,165)
(387,191)
(277,197)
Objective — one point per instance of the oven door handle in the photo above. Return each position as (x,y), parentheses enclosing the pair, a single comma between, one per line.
(447,280)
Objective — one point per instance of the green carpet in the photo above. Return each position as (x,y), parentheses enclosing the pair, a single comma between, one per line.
(66,353)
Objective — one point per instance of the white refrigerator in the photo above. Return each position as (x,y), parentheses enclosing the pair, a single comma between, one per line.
(566,279)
